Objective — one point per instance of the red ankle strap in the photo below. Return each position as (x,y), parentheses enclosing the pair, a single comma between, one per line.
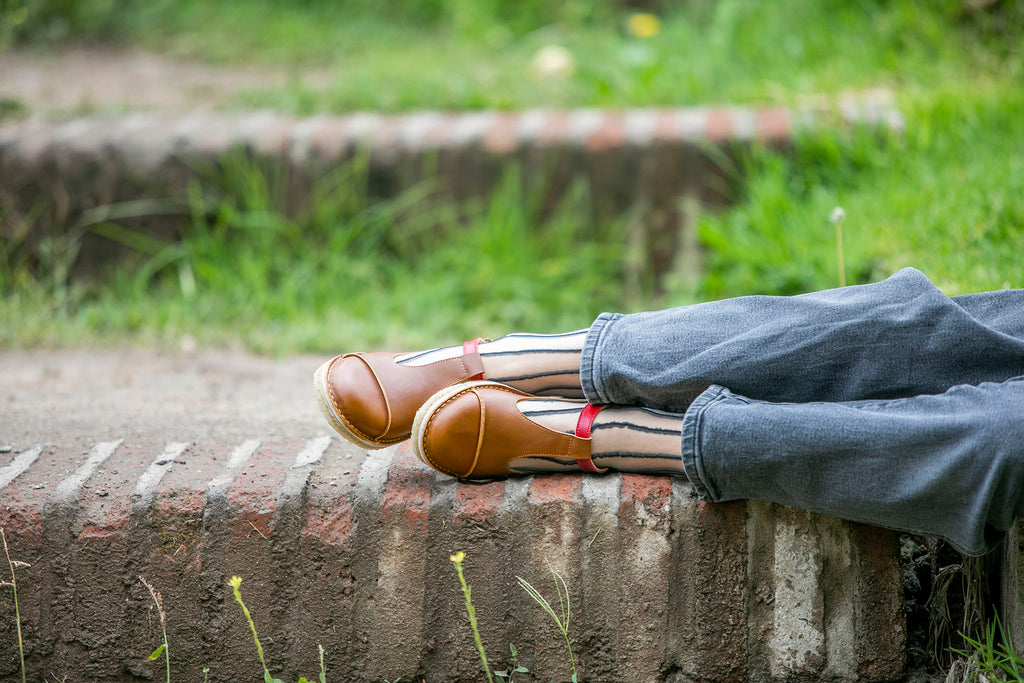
(472,347)
(583,428)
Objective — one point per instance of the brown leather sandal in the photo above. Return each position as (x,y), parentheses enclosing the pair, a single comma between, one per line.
(371,400)
(476,430)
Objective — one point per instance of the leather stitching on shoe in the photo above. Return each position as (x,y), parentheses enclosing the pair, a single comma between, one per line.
(340,414)
(426,454)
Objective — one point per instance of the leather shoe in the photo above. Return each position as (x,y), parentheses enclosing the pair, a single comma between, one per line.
(371,400)
(476,430)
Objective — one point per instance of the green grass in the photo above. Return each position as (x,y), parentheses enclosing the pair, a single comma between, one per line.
(352,271)
(458,54)
(344,271)
(945,197)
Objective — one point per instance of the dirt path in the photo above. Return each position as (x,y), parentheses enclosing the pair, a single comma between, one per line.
(86,80)
(63,396)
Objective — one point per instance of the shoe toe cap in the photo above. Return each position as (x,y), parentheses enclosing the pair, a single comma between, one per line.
(451,438)
(358,397)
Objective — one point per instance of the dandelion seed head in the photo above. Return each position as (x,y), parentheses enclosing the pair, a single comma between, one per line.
(552,62)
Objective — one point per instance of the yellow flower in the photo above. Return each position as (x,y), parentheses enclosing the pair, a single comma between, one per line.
(457,558)
(235,581)
(643,25)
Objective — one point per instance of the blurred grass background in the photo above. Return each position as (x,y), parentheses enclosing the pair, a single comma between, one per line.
(354,271)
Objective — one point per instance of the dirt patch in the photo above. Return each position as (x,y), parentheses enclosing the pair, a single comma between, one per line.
(85,80)
(59,396)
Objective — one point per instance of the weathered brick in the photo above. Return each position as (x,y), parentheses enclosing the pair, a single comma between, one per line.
(399,598)
(773,126)
(500,138)
(645,559)
(350,549)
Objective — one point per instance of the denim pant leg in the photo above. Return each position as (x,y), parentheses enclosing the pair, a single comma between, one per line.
(896,338)
(949,465)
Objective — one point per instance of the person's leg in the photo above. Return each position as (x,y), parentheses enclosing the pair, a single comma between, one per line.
(371,399)
(896,338)
(622,438)
(486,429)
(541,364)
(950,465)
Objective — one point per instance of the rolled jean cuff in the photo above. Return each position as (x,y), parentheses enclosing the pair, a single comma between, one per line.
(590,361)
(693,425)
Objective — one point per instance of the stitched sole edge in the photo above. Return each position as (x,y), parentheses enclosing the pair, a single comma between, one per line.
(323,400)
(433,403)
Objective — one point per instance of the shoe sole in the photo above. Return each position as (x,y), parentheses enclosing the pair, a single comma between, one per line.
(323,399)
(432,404)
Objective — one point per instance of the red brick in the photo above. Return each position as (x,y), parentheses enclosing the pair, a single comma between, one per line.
(330,141)
(718,127)
(252,498)
(611,134)
(555,129)
(773,125)
(556,488)
(665,126)
(407,495)
(477,503)
(721,590)
(645,559)
(881,629)
(439,133)
(501,138)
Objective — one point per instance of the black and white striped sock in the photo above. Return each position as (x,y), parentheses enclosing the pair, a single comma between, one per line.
(623,438)
(539,364)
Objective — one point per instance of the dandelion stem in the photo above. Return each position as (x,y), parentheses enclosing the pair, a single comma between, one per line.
(457,559)
(837,220)
(236,583)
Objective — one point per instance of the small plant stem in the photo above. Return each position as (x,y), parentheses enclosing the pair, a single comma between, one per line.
(457,559)
(839,253)
(17,613)
(837,218)
(559,588)
(563,603)
(158,599)
(236,583)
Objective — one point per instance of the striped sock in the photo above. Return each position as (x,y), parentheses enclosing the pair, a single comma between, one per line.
(623,438)
(538,364)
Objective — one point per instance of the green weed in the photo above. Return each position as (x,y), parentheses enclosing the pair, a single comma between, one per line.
(345,270)
(508,675)
(989,657)
(561,618)
(235,582)
(13,583)
(164,648)
(457,560)
(957,605)
(942,196)
(789,51)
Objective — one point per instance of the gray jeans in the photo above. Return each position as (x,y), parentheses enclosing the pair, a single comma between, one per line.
(889,403)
